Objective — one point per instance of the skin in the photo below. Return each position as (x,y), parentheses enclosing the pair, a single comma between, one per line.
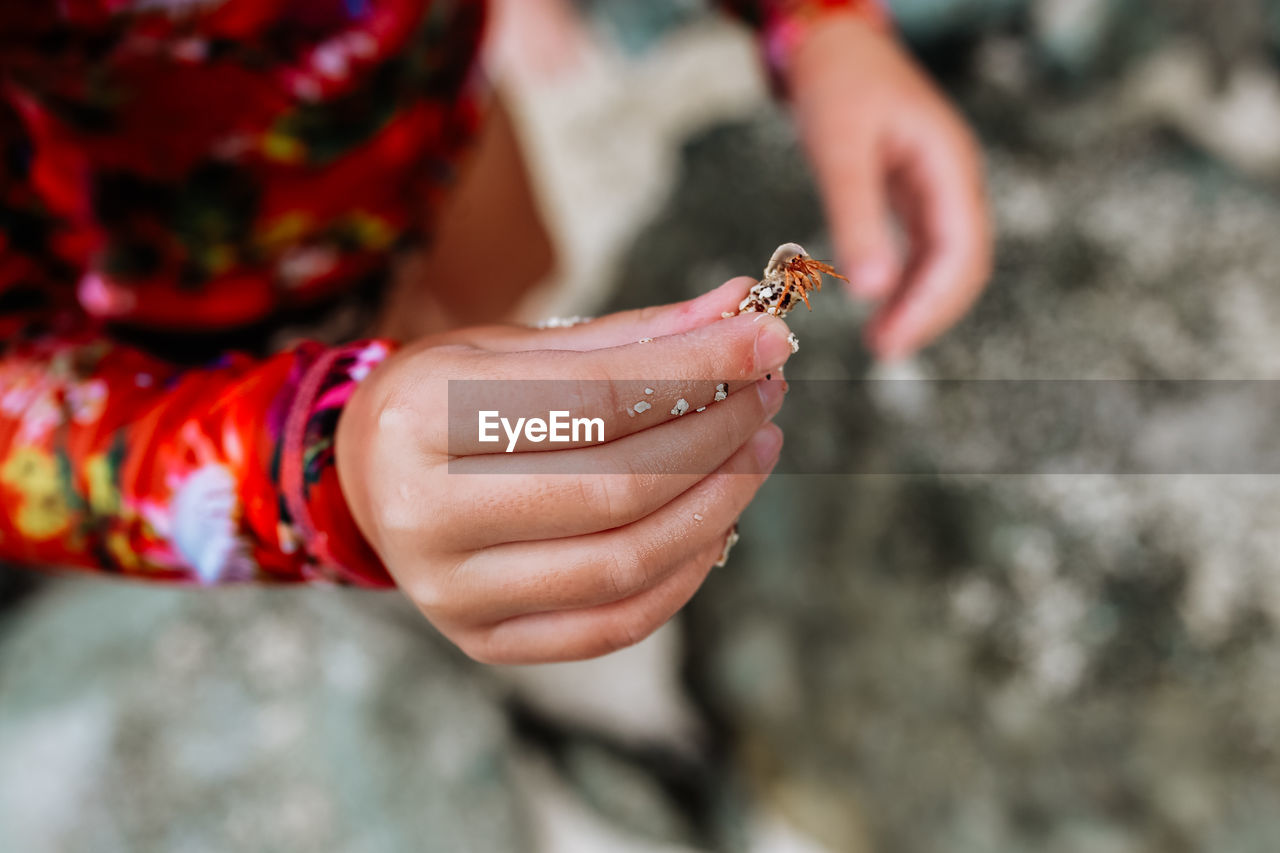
(588,548)
(885,144)
(591,548)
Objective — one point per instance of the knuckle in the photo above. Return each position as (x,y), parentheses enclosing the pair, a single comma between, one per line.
(428,585)
(426,592)
(600,502)
(958,140)
(401,515)
(594,496)
(624,500)
(480,648)
(592,386)
(613,398)
(625,572)
(628,630)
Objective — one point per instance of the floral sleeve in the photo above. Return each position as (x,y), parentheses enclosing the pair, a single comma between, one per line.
(213,169)
(113,460)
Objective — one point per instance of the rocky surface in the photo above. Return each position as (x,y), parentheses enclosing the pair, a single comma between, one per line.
(1040,662)
(153,719)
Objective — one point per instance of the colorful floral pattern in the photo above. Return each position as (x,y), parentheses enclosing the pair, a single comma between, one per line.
(118,461)
(185,165)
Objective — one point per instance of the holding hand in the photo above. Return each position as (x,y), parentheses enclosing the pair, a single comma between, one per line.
(592,545)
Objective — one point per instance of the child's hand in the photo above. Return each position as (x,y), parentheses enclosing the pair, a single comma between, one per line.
(881,137)
(543,565)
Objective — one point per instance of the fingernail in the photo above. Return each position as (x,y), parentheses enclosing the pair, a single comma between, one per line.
(772,345)
(772,392)
(765,445)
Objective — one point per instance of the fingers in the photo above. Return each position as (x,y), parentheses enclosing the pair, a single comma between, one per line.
(536,496)
(578,635)
(612,330)
(514,580)
(946,212)
(849,157)
(860,218)
(628,388)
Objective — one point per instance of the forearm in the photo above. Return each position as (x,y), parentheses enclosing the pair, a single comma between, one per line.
(114,460)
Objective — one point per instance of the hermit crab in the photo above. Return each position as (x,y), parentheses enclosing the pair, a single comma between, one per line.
(788,278)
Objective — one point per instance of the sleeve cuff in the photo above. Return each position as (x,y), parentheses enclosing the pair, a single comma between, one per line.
(314,516)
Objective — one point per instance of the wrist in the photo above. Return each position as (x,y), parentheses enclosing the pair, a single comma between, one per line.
(794,27)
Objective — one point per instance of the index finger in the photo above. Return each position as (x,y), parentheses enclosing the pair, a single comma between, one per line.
(951,252)
(612,330)
(610,386)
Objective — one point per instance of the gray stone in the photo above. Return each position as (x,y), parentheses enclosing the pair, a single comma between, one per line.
(926,21)
(136,718)
(1003,664)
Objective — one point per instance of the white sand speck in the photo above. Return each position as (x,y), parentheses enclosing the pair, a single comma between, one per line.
(729,542)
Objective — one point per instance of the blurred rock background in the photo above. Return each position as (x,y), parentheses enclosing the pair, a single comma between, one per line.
(962,664)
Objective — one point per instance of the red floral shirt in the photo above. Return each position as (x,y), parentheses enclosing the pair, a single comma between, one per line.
(209,165)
